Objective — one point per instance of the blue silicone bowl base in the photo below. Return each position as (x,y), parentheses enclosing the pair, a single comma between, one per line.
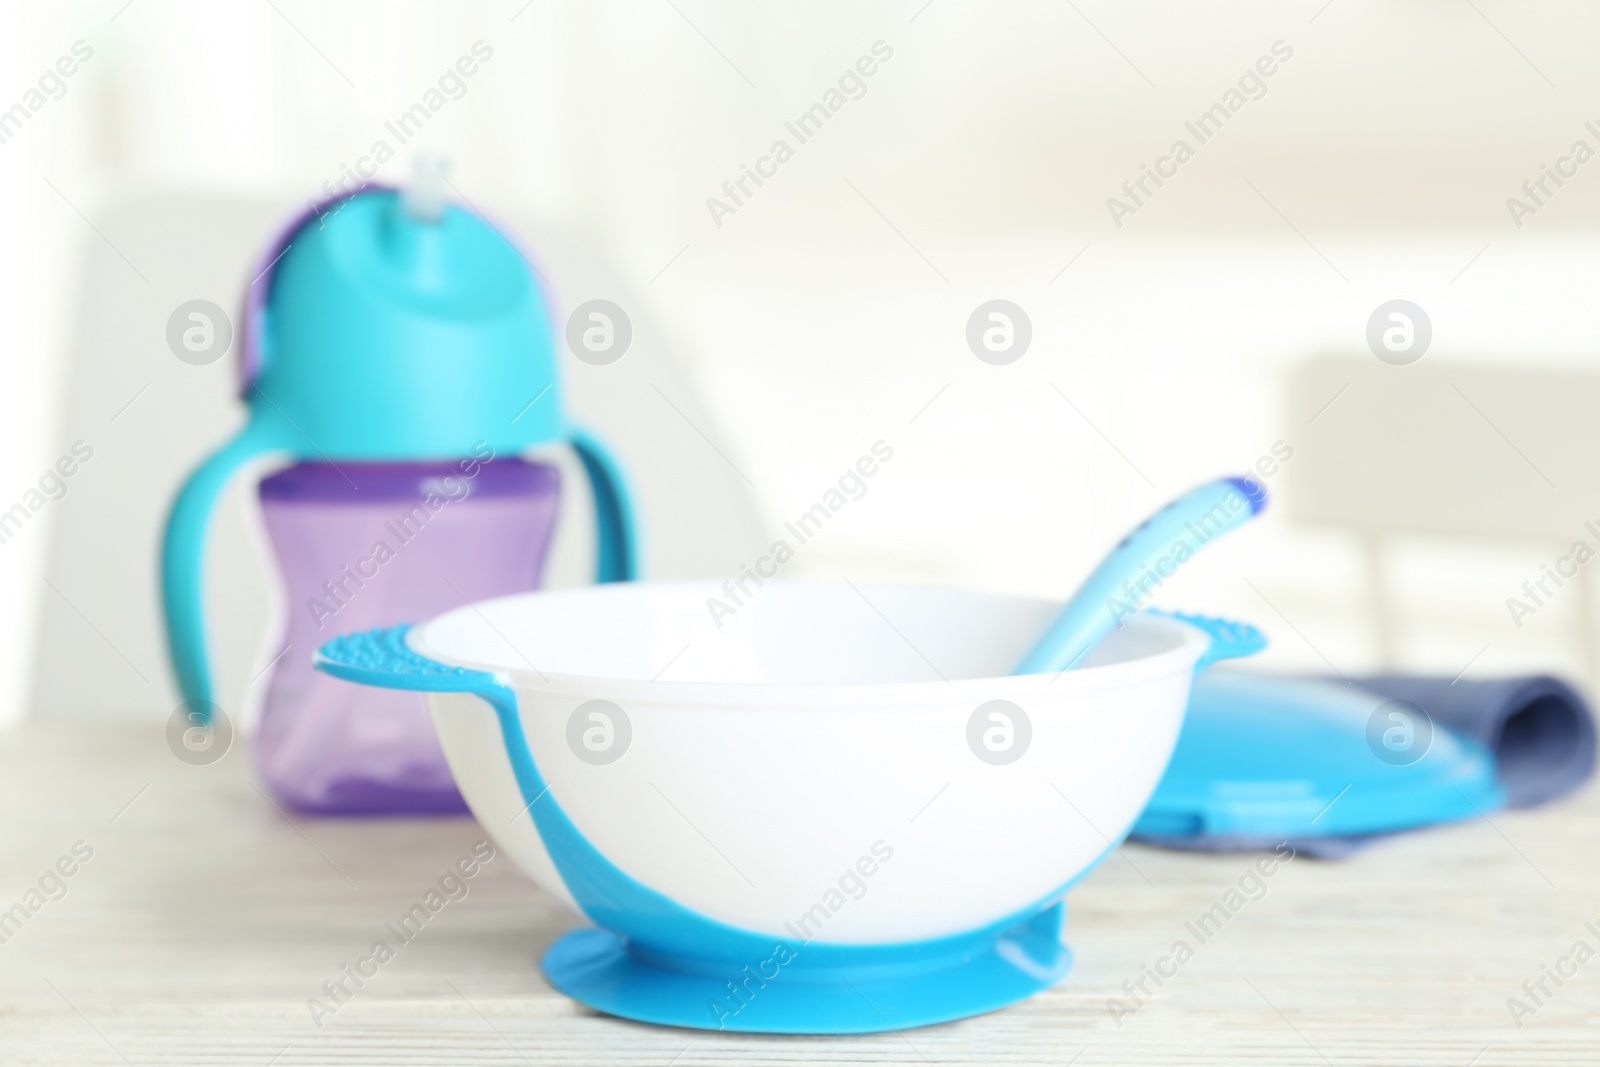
(594,967)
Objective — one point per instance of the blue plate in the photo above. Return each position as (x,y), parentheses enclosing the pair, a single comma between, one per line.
(1262,758)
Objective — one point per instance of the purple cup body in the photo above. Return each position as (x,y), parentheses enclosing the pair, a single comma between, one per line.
(362,545)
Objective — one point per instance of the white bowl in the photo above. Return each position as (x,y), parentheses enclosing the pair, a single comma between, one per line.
(811,770)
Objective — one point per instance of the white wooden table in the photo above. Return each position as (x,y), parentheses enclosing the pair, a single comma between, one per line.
(205,919)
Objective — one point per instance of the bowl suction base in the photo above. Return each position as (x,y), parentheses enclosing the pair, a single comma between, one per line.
(780,995)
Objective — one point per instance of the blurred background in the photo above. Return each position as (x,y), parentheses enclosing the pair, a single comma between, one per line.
(1212,320)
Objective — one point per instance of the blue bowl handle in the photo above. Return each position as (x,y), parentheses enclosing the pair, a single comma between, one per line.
(382,658)
(1229,639)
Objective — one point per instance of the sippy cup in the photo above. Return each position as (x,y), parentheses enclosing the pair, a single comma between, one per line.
(398,353)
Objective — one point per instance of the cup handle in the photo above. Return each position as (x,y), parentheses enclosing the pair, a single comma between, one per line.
(183,548)
(615,530)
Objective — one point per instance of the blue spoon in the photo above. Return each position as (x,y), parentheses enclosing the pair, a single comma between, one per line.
(1137,567)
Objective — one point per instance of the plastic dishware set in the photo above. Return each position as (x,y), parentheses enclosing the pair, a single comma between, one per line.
(847,808)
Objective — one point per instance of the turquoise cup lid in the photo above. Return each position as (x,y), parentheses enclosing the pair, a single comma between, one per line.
(385,325)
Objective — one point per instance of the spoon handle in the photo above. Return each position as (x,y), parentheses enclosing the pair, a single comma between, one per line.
(1142,561)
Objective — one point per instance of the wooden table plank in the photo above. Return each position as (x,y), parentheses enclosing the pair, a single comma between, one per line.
(205,920)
